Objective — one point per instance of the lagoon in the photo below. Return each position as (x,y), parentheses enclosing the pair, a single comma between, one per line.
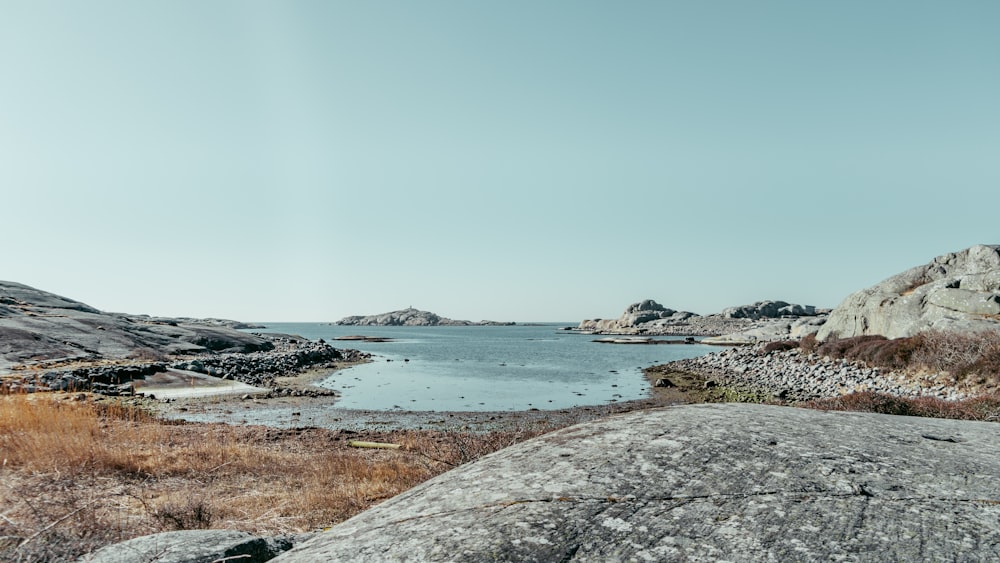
(487,368)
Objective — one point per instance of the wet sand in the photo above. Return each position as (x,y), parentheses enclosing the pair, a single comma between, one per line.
(323,412)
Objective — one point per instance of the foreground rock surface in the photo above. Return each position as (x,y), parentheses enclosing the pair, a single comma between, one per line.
(703,483)
(958,291)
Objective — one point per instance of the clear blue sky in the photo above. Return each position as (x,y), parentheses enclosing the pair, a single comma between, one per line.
(535,160)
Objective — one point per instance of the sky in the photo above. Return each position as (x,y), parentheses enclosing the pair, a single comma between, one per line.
(515,161)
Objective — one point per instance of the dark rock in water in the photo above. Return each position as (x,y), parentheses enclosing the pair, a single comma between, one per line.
(194,546)
(737,482)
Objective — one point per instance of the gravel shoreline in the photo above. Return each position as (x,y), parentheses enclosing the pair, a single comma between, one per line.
(793,375)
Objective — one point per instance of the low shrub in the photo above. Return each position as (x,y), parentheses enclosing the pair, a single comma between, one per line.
(984,408)
(780,346)
(841,347)
(962,354)
(809,343)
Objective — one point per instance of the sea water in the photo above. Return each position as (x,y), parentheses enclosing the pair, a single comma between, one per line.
(487,368)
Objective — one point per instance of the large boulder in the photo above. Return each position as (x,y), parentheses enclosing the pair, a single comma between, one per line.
(957,291)
(708,482)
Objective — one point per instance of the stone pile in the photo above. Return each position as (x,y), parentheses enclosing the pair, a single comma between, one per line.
(795,375)
(104,379)
(290,357)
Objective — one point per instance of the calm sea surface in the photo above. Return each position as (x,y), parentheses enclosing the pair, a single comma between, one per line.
(484,368)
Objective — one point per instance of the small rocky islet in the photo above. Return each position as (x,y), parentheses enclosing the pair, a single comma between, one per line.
(411,317)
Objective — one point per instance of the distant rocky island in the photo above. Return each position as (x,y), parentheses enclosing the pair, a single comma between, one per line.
(650,318)
(412,317)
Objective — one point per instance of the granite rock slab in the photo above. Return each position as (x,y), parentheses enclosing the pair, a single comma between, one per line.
(704,482)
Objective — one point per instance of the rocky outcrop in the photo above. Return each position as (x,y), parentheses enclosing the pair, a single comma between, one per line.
(957,291)
(650,318)
(38,327)
(290,356)
(645,315)
(51,343)
(768,310)
(194,546)
(733,482)
(411,317)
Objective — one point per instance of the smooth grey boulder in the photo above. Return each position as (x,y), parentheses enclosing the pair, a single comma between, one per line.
(958,291)
(708,482)
(192,546)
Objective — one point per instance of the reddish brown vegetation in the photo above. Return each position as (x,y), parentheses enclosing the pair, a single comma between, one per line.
(985,408)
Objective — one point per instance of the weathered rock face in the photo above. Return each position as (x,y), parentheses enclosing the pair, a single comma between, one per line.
(646,314)
(768,310)
(411,317)
(702,482)
(37,326)
(957,291)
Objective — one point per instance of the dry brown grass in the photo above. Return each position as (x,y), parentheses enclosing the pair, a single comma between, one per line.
(76,475)
(984,408)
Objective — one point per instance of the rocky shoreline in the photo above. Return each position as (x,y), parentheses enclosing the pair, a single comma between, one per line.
(287,356)
(792,375)
(709,325)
